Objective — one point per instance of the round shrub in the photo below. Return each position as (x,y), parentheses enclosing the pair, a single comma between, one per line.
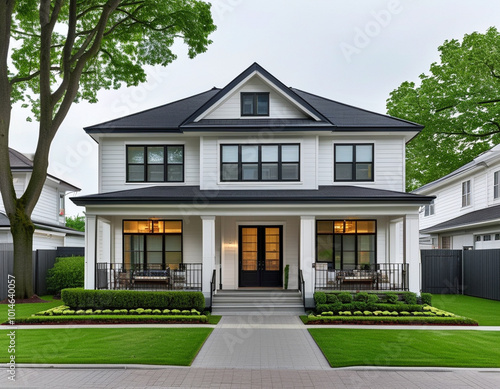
(123,311)
(156,312)
(331,298)
(386,313)
(166,311)
(88,312)
(426,298)
(132,312)
(345,297)
(107,311)
(175,312)
(391,298)
(186,312)
(361,296)
(377,313)
(368,313)
(319,297)
(68,272)
(148,311)
(404,313)
(328,313)
(195,312)
(358,313)
(68,312)
(97,312)
(80,312)
(410,298)
(372,298)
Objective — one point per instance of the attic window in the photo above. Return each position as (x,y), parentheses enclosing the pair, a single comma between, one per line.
(255,104)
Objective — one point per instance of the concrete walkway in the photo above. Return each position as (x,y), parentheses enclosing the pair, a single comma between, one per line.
(261,342)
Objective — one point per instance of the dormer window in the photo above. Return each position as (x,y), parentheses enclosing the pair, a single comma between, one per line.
(255,104)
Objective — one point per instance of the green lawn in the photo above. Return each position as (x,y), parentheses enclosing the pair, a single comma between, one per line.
(486,312)
(156,346)
(24,310)
(457,348)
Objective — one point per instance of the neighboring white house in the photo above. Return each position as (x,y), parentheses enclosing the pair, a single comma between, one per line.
(466,211)
(231,185)
(48,215)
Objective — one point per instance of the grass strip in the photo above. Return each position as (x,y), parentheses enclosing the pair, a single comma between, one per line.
(486,312)
(157,346)
(96,319)
(457,348)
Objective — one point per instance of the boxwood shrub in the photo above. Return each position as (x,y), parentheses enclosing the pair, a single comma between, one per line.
(78,298)
(68,272)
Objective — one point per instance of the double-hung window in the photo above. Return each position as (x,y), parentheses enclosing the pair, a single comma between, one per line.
(429,209)
(466,193)
(496,193)
(155,163)
(258,162)
(354,162)
(255,104)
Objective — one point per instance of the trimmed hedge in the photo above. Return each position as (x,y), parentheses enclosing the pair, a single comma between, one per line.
(390,320)
(93,319)
(68,272)
(83,299)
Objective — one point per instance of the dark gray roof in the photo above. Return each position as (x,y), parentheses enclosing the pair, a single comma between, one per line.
(193,195)
(5,222)
(484,215)
(180,116)
(19,161)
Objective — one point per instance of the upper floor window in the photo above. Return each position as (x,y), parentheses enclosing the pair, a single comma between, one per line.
(495,185)
(270,162)
(466,193)
(255,104)
(354,162)
(429,209)
(155,163)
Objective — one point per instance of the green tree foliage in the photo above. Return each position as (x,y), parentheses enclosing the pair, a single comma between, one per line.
(458,102)
(55,53)
(76,222)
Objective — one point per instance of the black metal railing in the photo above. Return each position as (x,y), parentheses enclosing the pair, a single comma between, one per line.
(383,276)
(182,276)
(302,287)
(212,287)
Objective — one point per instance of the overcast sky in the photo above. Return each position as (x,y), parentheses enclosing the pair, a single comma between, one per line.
(355,52)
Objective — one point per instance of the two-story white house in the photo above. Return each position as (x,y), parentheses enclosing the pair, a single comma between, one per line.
(49,213)
(230,186)
(466,211)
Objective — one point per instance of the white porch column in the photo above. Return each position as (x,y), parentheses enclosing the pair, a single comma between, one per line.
(307,256)
(90,250)
(208,252)
(412,251)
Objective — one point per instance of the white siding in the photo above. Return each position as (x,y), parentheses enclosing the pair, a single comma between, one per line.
(388,161)
(279,106)
(112,168)
(211,163)
(46,240)
(47,207)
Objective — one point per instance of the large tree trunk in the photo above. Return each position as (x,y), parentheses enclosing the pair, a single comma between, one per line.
(22,230)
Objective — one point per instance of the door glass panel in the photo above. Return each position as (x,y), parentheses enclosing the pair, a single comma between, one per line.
(325,248)
(249,249)
(272,249)
(155,249)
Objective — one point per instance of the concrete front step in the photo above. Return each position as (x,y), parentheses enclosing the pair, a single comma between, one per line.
(255,301)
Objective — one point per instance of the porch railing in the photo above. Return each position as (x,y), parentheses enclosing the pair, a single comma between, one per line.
(383,276)
(183,276)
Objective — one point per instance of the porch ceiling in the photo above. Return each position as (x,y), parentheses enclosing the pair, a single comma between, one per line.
(194,195)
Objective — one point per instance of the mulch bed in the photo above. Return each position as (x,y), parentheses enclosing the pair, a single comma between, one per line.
(32,299)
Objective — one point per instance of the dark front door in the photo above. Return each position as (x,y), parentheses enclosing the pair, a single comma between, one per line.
(260,256)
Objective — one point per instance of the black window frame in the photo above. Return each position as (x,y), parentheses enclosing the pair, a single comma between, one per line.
(255,96)
(145,244)
(353,163)
(165,163)
(331,264)
(259,162)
